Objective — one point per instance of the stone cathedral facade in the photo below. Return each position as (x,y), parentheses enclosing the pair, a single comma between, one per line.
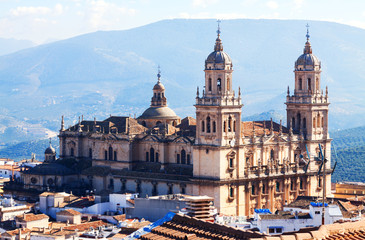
(242,165)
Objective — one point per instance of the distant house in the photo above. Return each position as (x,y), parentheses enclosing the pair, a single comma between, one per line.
(17,234)
(69,215)
(9,209)
(31,220)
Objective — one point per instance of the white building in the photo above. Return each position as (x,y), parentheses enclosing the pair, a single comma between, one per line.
(290,221)
(9,209)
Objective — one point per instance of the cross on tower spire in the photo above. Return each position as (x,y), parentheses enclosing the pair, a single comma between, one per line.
(159,73)
(219,28)
(307,35)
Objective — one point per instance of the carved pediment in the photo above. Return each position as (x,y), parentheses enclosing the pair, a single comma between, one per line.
(182,140)
(151,138)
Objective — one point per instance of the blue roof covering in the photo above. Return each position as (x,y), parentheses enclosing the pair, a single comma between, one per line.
(318,204)
(263,210)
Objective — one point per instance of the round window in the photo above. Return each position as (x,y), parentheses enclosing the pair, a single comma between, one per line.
(33,180)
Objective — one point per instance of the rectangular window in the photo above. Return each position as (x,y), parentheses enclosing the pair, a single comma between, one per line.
(178,158)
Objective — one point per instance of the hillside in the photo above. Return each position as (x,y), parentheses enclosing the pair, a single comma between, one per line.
(348,148)
(113,72)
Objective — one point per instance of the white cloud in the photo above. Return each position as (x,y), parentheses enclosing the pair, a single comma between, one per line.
(103,14)
(272,4)
(22,11)
(58,9)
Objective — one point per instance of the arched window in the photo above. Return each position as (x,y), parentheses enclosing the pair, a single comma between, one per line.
(105,155)
(291,185)
(278,186)
(214,126)
(170,191)
(219,82)
(263,190)
(317,84)
(299,121)
(314,122)
(300,83)
(157,157)
(178,158)
(147,156)
(72,152)
(224,126)
(253,190)
(301,183)
(208,124)
(230,124)
(110,153)
(152,154)
(322,121)
(304,123)
(318,120)
(209,84)
(272,154)
(183,156)
(188,161)
(228,85)
(234,126)
(203,126)
(90,153)
(309,84)
(231,192)
(115,156)
(293,123)
(111,183)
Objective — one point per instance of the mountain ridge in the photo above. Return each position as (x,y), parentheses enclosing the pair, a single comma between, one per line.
(113,72)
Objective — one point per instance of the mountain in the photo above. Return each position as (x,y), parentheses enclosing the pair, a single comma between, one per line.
(348,149)
(9,45)
(113,72)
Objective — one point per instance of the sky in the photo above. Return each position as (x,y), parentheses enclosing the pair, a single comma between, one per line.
(43,21)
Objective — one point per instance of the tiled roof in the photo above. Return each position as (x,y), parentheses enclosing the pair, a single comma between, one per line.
(31,217)
(16,232)
(260,126)
(184,227)
(119,217)
(69,212)
(86,226)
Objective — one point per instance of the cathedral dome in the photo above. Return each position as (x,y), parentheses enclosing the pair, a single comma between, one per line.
(307,61)
(218,56)
(50,150)
(159,86)
(158,113)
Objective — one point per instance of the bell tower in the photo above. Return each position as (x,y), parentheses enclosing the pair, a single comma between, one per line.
(218,115)
(307,109)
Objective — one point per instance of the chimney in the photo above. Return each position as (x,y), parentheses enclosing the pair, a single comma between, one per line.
(67,222)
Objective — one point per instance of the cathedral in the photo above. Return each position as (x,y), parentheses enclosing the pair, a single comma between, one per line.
(242,165)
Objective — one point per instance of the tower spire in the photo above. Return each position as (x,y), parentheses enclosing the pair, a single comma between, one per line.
(307,48)
(158,73)
(307,35)
(218,42)
(62,124)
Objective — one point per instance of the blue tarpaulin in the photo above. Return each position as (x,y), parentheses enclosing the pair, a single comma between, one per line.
(263,210)
(148,228)
(318,204)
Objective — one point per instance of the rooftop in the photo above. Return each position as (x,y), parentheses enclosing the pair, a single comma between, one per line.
(184,227)
(69,212)
(31,217)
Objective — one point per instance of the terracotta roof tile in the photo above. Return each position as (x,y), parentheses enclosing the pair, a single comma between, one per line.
(86,226)
(69,212)
(31,217)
